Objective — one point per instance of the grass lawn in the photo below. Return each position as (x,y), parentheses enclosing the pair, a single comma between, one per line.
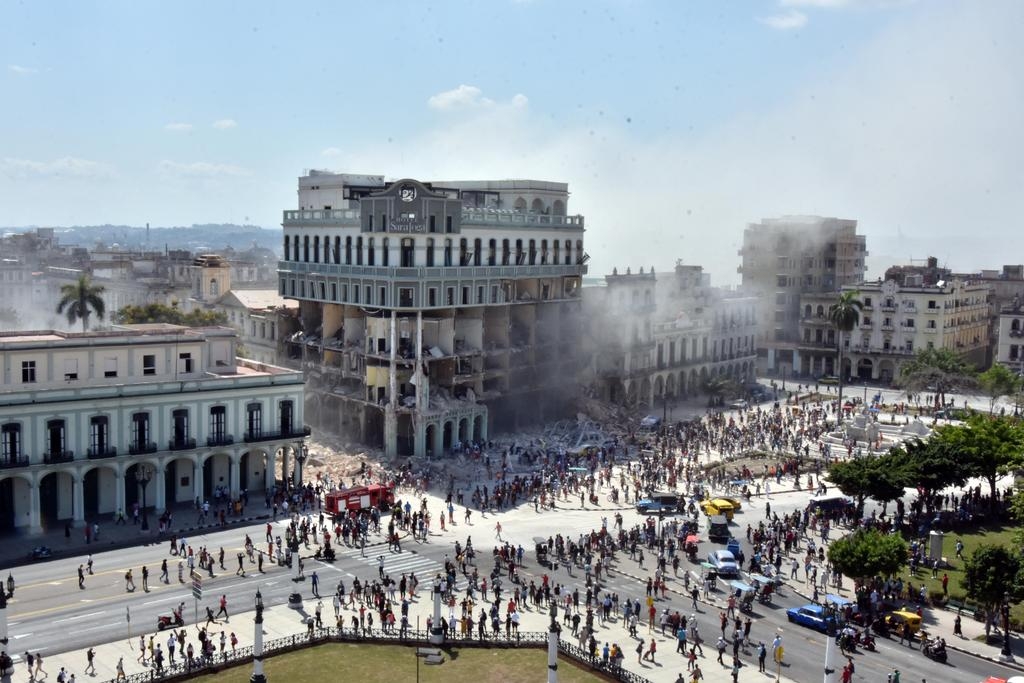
(982,535)
(388,663)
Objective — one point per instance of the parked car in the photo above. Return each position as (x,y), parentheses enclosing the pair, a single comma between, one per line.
(739,405)
(810,615)
(724,563)
(737,505)
(658,502)
(718,506)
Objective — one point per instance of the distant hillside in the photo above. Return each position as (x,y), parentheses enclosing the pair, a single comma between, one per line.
(209,237)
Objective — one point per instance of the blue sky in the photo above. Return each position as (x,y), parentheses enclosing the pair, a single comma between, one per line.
(675,123)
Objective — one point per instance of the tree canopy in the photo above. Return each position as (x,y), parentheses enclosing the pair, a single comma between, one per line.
(931,465)
(882,478)
(867,553)
(992,571)
(998,381)
(940,371)
(80,299)
(985,446)
(161,313)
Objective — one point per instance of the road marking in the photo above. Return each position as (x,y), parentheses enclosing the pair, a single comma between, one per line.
(80,616)
(97,628)
(157,602)
(21,635)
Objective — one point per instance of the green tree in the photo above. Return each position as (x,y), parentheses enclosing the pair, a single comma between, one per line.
(161,313)
(882,478)
(867,553)
(940,371)
(990,572)
(998,381)
(931,466)
(718,389)
(80,299)
(985,446)
(844,315)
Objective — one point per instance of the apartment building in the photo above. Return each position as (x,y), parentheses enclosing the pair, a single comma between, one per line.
(896,322)
(658,337)
(1010,346)
(264,320)
(86,418)
(784,259)
(434,312)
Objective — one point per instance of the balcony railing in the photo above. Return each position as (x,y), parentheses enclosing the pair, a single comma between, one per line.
(220,440)
(52,457)
(141,447)
(251,437)
(16,461)
(100,453)
(181,444)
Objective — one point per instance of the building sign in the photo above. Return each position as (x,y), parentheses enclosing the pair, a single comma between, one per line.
(406,224)
(407,192)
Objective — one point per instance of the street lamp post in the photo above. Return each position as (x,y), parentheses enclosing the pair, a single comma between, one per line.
(553,631)
(436,632)
(300,458)
(143,474)
(10,586)
(257,643)
(295,599)
(1007,654)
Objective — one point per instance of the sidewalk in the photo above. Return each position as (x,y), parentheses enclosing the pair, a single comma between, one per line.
(281,621)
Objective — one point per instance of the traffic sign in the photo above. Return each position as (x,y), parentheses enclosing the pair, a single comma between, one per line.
(197,585)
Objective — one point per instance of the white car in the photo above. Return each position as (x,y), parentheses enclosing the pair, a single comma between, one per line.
(725,562)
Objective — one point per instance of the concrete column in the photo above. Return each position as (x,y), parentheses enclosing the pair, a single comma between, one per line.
(268,474)
(77,500)
(284,464)
(393,363)
(797,363)
(160,488)
(438,439)
(119,492)
(34,513)
(483,427)
(419,437)
(234,478)
(197,482)
(420,386)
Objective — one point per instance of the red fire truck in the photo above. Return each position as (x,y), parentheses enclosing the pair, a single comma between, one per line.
(380,496)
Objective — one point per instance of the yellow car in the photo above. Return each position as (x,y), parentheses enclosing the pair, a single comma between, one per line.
(910,619)
(735,502)
(718,506)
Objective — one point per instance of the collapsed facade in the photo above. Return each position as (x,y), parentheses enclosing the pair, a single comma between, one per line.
(434,313)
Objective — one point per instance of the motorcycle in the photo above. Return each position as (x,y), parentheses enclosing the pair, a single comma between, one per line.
(933,649)
(326,553)
(163,621)
(866,640)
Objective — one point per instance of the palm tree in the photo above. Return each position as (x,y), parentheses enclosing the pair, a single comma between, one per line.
(80,300)
(844,315)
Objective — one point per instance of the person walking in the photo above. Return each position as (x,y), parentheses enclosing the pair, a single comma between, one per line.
(163,571)
(120,670)
(145,578)
(90,657)
(223,607)
(81,577)
(314,581)
(129,582)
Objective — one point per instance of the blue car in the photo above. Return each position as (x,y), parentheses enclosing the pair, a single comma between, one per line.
(811,616)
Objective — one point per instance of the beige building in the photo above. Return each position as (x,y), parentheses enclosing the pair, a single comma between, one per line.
(784,259)
(1010,344)
(896,322)
(433,313)
(264,320)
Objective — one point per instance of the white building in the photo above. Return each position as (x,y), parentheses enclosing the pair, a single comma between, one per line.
(80,413)
(895,323)
(1010,346)
(263,319)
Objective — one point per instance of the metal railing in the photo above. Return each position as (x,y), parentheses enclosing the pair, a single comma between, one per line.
(181,444)
(52,457)
(100,453)
(251,437)
(244,655)
(141,447)
(220,440)
(14,461)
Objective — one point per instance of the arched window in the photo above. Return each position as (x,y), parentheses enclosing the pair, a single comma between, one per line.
(214,287)
(348,250)
(477,248)
(537,206)
(316,249)
(519,252)
(337,249)
(807,311)
(463,252)
(520,205)
(305,248)
(287,249)
(359,250)
(543,252)
(558,208)
(555,256)
(1015,325)
(430,252)
(295,248)
(447,253)
(505,252)
(384,260)
(821,311)
(371,253)
(579,252)
(568,253)
(492,252)
(533,252)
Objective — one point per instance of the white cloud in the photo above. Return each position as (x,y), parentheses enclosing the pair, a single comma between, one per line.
(224,124)
(201,169)
(520,101)
(331,152)
(855,140)
(22,70)
(785,21)
(462,97)
(178,127)
(64,167)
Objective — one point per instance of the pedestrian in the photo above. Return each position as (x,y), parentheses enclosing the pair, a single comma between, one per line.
(957,630)
(762,652)
(90,656)
(81,577)
(30,662)
(145,578)
(223,607)
(120,670)
(315,584)
(88,564)
(163,571)
(39,665)
(129,582)
(241,566)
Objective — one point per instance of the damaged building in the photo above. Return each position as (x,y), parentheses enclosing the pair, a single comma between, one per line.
(433,313)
